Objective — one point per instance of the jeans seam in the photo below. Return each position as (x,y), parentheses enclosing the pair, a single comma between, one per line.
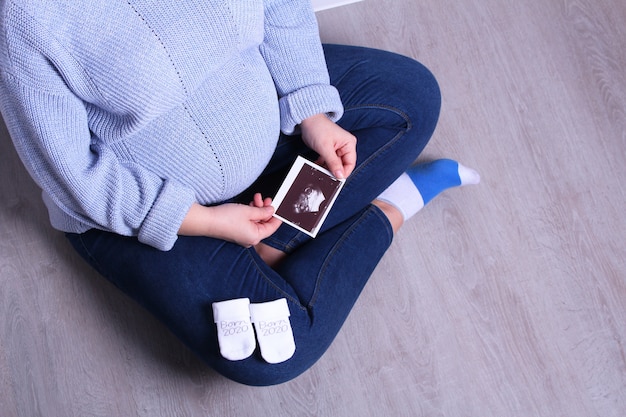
(394,140)
(388,145)
(286,247)
(371,210)
(267,279)
(378,212)
(402,114)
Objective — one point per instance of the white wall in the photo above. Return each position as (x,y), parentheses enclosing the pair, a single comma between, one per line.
(327,4)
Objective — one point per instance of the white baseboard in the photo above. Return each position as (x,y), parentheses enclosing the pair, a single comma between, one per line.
(327,4)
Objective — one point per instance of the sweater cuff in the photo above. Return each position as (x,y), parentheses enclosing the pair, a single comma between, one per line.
(160,228)
(307,102)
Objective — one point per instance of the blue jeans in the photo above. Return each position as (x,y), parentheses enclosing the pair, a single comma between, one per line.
(391,105)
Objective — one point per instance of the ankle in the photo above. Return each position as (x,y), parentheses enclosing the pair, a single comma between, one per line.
(395,217)
(271,256)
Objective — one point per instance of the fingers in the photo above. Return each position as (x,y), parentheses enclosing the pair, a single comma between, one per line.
(336,146)
(334,164)
(245,225)
(263,213)
(267,228)
(341,161)
(259,201)
(348,158)
(263,222)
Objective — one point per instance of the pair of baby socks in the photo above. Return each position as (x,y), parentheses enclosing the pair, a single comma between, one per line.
(235,334)
(422,182)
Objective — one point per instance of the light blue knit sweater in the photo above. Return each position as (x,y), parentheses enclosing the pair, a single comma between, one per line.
(126,112)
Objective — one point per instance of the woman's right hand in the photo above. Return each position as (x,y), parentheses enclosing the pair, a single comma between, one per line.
(238,223)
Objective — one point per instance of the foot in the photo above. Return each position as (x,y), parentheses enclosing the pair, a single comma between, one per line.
(423,182)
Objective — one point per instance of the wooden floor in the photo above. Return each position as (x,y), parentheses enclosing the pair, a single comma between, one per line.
(504,299)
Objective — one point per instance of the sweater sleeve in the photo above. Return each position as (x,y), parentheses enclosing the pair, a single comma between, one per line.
(83,180)
(294,55)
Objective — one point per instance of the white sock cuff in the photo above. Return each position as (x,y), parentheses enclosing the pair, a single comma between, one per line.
(238,309)
(271,310)
(403,195)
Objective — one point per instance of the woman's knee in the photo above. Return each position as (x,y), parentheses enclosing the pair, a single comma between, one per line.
(378,80)
(413,88)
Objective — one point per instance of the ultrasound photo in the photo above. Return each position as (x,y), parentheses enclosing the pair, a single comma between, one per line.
(306,196)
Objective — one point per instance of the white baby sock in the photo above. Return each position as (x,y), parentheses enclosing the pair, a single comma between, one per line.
(273,330)
(422,182)
(234,329)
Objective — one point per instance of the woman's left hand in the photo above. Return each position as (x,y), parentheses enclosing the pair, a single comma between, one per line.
(335,146)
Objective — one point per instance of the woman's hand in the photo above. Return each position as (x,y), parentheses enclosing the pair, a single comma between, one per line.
(335,146)
(241,224)
(237,223)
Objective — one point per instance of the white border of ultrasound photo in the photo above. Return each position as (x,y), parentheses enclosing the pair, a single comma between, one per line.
(297,181)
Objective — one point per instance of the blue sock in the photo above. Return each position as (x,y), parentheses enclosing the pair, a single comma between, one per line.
(432,178)
(423,182)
